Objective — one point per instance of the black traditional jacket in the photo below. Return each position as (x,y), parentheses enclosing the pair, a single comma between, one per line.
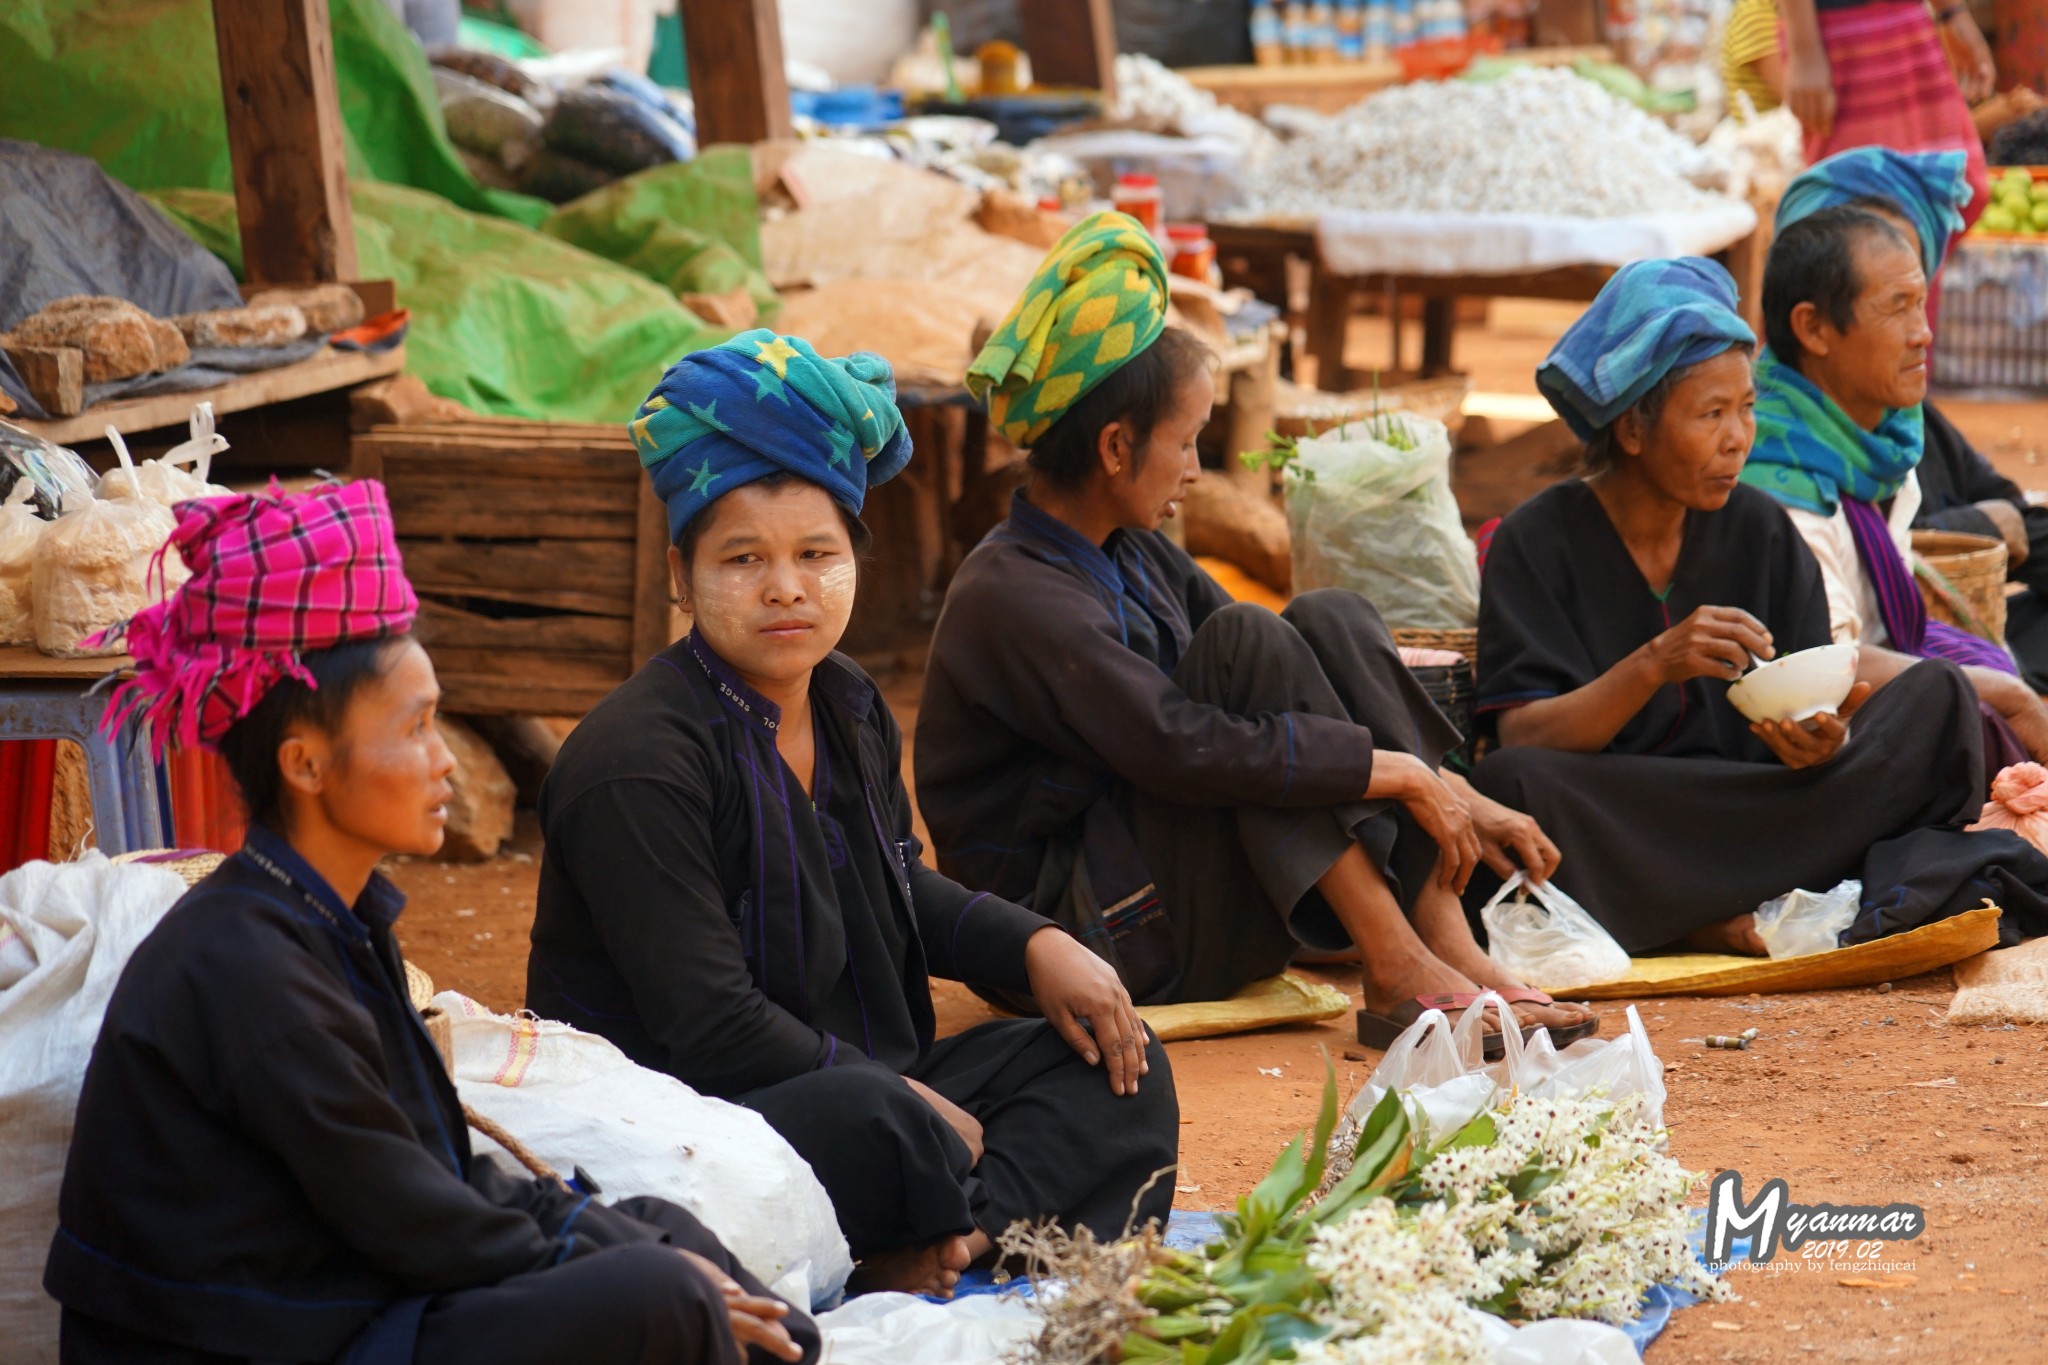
(698,909)
(269,1153)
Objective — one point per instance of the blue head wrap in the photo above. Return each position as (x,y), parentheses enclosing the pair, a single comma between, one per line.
(1652,318)
(760,404)
(1928,189)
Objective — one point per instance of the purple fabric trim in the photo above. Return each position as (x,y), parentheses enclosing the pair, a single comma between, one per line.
(1945,641)
(1899,604)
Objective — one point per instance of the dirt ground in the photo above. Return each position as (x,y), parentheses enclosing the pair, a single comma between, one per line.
(1853,1097)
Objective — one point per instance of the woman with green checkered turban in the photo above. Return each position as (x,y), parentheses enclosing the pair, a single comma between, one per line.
(1198,789)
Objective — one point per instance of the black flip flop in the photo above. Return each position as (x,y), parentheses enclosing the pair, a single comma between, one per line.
(1378,1031)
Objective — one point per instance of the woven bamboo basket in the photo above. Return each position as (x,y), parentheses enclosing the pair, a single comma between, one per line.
(1465,642)
(1962,578)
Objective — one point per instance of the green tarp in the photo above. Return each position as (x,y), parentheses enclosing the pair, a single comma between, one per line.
(506,319)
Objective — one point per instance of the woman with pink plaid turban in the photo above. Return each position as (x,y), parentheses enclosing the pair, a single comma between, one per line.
(270,1161)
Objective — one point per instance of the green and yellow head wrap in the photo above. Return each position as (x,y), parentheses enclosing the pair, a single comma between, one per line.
(1098,299)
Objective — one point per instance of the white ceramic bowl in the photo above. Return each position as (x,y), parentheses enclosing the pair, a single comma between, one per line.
(1796,686)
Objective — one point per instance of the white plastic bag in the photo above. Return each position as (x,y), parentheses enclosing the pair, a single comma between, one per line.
(576,1100)
(20,530)
(92,571)
(66,932)
(1548,939)
(902,1329)
(163,481)
(1381,521)
(1446,1082)
(1800,923)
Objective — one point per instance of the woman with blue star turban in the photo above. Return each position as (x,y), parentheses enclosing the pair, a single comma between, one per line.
(732,893)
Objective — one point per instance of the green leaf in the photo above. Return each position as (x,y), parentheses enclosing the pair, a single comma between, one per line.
(1480,1132)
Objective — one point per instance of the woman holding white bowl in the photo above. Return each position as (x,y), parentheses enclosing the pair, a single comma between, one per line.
(1617,609)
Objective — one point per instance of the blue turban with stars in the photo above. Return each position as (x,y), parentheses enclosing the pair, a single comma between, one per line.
(762,404)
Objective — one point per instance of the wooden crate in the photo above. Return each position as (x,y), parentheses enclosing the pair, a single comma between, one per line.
(539,553)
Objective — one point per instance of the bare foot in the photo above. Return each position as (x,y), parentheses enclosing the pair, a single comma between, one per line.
(1737,935)
(1441,924)
(934,1269)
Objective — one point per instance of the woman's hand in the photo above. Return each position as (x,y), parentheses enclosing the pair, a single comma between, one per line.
(1510,841)
(2011,526)
(958,1119)
(755,1321)
(1808,744)
(1085,1000)
(1969,56)
(1713,642)
(1405,778)
(1809,84)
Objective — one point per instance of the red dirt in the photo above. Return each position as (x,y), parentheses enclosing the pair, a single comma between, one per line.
(1826,1098)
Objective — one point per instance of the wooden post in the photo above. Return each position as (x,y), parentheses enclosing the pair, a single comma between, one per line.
(1071,43)
(284,135)
(735,53)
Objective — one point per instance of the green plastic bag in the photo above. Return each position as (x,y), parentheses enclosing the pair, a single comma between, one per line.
(505,320)
(694,227)
(136,86)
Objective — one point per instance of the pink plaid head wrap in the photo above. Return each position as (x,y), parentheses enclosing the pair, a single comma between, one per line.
(274,575)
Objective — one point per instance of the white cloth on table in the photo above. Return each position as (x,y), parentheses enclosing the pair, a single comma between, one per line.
(1358,242)
(1853,613)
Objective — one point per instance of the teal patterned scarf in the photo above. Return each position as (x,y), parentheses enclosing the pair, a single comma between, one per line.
(1809,455)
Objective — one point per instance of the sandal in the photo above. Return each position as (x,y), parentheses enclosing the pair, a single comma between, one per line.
(1561,1035)
(1378,1031)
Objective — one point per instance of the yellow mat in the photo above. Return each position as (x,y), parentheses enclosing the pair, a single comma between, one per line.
(1888,959)
(1277,1000)
(1240,584)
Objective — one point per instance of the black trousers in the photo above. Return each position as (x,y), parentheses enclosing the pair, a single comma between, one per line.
(1657,847)
(1057,1143)
(1238,882)
(638,1303)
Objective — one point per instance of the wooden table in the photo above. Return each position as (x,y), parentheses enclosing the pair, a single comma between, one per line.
(323,373)
(1257,256)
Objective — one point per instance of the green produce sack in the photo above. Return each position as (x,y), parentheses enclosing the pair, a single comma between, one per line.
(135,84)
(505,320)
(694,227)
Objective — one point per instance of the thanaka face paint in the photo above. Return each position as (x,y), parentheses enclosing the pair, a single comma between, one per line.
(772,580)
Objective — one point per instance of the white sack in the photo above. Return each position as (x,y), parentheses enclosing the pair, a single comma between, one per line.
(902,1329)
(576,1100)
(66,931)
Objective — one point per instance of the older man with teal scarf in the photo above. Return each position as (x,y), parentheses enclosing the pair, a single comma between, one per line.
(1840,423)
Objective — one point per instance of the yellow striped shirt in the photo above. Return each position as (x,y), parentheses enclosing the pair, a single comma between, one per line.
(1752,33)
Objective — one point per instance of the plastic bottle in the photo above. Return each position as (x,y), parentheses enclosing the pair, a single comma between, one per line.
(1138,195)
(1269,34)
(1194,255)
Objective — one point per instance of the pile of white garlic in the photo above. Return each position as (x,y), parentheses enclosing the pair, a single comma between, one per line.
(1159,100)
(1540,141)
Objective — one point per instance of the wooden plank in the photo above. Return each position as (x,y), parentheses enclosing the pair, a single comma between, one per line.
(285,139)
(494,694)
(734,48)
(26,663)
(1326,89)
(408,459)
(600,671)
(323,373)
(55,376)
(573,575)
(443,626)
(652,588)
(1072,43)
(510,430)
(508,509)
(1567,23)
